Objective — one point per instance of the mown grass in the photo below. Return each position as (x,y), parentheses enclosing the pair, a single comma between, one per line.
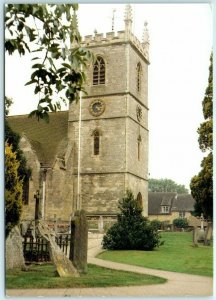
(43,276)
(177,254)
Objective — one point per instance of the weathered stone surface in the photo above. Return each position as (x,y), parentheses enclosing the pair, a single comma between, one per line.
(14,250)
(79,241)
(64,266)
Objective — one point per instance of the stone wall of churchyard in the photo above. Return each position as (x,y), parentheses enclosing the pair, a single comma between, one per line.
(169,217)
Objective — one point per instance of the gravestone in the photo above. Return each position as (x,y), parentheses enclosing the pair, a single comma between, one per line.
(14,250)
(64,266)
(79,241)
(201,232)
(195,236)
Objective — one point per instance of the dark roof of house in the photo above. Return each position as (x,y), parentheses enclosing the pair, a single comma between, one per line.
(45,138)
(182,202)
(156,200)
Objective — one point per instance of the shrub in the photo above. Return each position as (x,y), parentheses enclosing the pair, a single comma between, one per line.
(132,231)
(180,223)
(13,190)
(156,224)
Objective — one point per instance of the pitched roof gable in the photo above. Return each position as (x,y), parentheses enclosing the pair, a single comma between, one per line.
(44,137)
(182,202)
(156,200)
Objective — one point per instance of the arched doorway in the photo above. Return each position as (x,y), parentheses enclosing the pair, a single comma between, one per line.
(139,200)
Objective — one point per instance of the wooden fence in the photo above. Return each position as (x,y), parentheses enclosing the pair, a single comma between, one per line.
(36,249)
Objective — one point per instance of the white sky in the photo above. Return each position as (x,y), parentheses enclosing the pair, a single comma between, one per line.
(180,47)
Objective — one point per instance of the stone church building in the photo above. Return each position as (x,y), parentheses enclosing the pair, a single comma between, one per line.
(89,164)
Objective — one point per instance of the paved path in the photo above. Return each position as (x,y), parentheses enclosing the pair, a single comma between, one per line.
(178,284)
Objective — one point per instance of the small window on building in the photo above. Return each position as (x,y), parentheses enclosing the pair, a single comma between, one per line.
(165,209)
(99,71)
(139,75)
(96,137)
(181,214)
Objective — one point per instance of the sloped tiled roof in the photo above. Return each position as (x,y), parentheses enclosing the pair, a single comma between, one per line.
(44,137)
(156,200)
(183,202)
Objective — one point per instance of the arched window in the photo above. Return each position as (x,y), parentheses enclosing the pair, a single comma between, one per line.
(99,71)
(139,74)
(139,200)
(96,142)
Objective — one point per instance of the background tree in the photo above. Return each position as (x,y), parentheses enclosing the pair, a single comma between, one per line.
(13,190)
(166,185)
(202,184)
(131,231)
(50,32)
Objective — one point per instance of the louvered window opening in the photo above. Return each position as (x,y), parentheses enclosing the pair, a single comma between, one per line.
(99,72)
(96,143)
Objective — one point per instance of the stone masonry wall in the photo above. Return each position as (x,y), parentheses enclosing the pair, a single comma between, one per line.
(33,163)
(138,185)
(103,176)
(101,192)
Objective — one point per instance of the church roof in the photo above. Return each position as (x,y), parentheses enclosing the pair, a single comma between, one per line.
(45,138)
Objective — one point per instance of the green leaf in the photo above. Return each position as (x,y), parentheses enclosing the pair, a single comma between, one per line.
(31,82)
(37,66)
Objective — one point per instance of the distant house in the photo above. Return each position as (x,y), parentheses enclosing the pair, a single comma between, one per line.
(169,206)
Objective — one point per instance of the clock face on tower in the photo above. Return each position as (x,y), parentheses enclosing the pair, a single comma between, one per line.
(97,107)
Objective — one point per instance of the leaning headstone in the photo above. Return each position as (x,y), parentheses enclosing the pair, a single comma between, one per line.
(64,266)
(14,250)
(79,241)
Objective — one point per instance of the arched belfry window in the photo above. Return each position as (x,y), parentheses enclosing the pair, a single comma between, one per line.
(139,75)
(99,71)
(96,142)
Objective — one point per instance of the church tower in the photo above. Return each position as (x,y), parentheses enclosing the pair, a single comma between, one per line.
(111,141)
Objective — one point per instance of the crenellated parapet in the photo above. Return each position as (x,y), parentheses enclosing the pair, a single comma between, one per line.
(99,39)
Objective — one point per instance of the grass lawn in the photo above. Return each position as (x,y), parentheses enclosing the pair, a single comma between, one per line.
(43,276)
(177,254)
